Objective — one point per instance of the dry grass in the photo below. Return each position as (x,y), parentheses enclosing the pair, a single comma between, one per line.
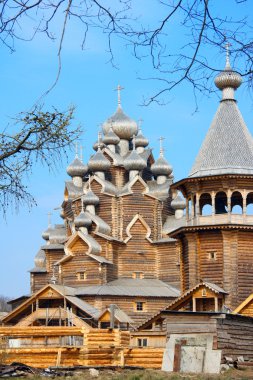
(153,375)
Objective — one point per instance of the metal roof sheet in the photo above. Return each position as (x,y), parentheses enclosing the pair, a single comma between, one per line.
(131,287)
(84,306)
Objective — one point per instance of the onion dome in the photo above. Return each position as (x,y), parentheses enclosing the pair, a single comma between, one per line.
(90,198)
(161,167)
(96,144)
(111,138)
(140,140)
(228,77)
(122,125)
(40,259)
(82,220)
(134,162)
(98,162)
(45,234)
(178,203)
(77,168)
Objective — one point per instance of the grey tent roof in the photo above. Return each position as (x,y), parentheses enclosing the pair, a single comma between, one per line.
(228,146)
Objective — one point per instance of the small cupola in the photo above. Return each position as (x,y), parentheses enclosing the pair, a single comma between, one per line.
(140,141)
(77,170)
(134,163)
(178,204)
(83,220)
(98,163)
(111,140)
(161,169)
(228,80)
(90,200)
(123,126)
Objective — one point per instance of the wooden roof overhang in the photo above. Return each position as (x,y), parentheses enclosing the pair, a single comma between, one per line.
(185,184)
(244,304)
(182,230)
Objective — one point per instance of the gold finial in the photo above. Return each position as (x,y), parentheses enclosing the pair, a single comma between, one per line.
(161,145)
(227,46)
(119,88)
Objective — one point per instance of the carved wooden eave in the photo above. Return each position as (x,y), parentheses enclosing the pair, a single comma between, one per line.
(196,182)
(186,229)
(93,246)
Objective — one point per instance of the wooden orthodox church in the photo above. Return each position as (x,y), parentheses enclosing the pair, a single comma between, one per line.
(133,242)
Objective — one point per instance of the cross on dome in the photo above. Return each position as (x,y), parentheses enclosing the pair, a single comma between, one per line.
(118,89)
(227,47)
(161,145)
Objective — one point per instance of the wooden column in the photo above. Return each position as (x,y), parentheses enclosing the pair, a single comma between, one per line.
(244,204)
(216,304)
(213,203)
(194,306)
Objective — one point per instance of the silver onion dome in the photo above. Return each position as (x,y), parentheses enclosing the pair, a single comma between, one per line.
(161,167)
(46,233)
(178,203)
(111,138)
(134,162)
(77,168)
(90,198)
(124,127)
(140,140)
(82,220)
(228,77)
(40,259)
(98,162)
(96,144)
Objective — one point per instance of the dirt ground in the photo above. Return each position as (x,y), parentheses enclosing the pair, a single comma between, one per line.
(123,374)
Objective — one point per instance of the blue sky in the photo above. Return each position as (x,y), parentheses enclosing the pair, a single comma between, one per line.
(88,82)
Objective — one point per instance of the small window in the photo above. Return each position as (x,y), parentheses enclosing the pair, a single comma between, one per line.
(204,292)
(138,275)
(139,306)
(212,255)
(142,342)
(81,276)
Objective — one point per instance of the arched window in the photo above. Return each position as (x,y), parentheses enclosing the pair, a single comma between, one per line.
(236,203)
(205,204)
(250,204)
(221,203)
